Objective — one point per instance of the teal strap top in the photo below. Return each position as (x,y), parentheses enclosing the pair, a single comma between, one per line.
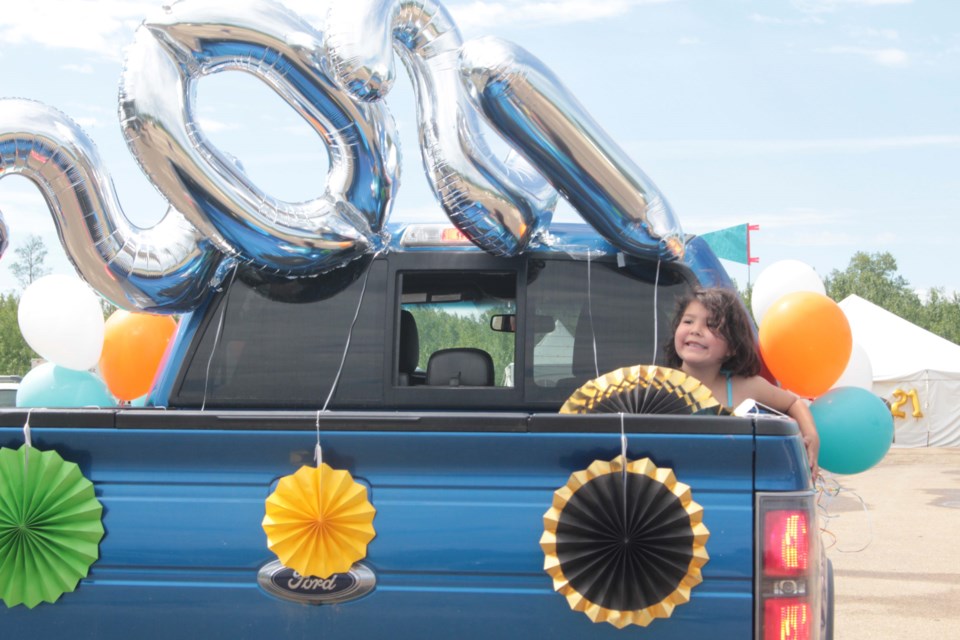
(729,375)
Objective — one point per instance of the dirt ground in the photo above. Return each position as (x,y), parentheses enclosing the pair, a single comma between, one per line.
(893,533)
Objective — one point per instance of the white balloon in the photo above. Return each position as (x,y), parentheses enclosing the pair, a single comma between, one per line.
(61,319)
(859,371)
(779,279)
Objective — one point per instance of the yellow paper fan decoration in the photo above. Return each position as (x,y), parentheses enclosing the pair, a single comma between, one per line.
(318,521)
(624,545)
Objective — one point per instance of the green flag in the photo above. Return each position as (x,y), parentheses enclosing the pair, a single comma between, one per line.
(732,243)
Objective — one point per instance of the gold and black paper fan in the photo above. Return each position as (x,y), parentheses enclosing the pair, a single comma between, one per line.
(643,389)
(624,544)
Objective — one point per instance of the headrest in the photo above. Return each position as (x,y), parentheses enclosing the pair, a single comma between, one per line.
(460,367)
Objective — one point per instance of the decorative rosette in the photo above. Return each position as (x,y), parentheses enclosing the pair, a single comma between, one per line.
(624,545)
(643,389)
(318,521)
(50,526)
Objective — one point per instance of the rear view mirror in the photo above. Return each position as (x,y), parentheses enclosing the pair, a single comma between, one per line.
(504,322)
(508,322)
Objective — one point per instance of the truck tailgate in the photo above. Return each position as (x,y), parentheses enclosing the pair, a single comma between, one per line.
(459,515)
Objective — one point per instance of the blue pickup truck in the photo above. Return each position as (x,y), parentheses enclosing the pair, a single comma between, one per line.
(439,376)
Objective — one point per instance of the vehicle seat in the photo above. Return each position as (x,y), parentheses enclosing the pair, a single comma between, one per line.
(463,367)
(409,356)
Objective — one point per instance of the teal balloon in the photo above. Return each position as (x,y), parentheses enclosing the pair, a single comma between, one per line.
(51,386)
(855,427)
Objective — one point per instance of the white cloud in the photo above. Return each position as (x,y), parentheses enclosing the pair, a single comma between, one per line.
(210,125)
(98,26)
(888,57)
(873,33)
(79,68)
(732,147)
(826,6)
(689,41)
(87,122)
(790,218)
(765,19)
(543,12)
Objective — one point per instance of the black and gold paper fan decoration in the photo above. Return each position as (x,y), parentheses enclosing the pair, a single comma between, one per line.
(624,545)
(643,389)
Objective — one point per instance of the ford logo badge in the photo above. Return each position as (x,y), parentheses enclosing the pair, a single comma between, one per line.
(283,582)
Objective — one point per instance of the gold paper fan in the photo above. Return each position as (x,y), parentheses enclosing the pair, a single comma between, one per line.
(643,389)
(318,521)
(624,546)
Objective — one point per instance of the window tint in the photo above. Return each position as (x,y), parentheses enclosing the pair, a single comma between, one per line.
(283,353)
(612,322)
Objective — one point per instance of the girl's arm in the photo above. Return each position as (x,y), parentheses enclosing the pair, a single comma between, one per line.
(792,405)
(800,412)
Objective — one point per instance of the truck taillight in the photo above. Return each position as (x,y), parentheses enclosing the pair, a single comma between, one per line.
(788,567)
(786,544)
(786,619)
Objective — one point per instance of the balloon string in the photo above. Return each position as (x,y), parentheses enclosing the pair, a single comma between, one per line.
(28,442)
(656,314)
(593,331)
(216,337)
(623,470)
(317,451)
(26,430)
(346,346)
(828,489)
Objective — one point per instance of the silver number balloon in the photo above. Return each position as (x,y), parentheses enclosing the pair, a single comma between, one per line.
(333,79)
(191,39)
(4,235)
(500,205)
(529,106)
(166,268)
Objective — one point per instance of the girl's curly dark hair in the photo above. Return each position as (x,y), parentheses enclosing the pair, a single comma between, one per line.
(729,319)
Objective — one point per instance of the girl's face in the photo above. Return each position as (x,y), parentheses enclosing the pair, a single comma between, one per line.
(695,342)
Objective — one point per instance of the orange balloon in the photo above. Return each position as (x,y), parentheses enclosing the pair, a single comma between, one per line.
(133,345)
(806,342)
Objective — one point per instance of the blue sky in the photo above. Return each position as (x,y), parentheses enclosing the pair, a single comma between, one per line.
(833,124)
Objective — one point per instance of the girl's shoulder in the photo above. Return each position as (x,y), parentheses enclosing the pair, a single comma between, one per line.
(762,390)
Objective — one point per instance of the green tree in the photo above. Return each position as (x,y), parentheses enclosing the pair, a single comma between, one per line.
(747,296)
(28,266)
(15,355)
(941,315)
(874,277)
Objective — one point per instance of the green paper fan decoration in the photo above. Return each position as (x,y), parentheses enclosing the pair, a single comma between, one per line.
(50,526)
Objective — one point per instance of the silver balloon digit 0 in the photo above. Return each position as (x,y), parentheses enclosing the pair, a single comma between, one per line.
(191,39)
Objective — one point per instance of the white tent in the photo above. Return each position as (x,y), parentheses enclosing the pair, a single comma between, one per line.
(916,371)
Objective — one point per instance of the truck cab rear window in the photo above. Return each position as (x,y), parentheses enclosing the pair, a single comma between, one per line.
(448,331)
(457,329)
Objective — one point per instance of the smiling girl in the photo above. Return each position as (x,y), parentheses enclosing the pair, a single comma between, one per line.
(713,341)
